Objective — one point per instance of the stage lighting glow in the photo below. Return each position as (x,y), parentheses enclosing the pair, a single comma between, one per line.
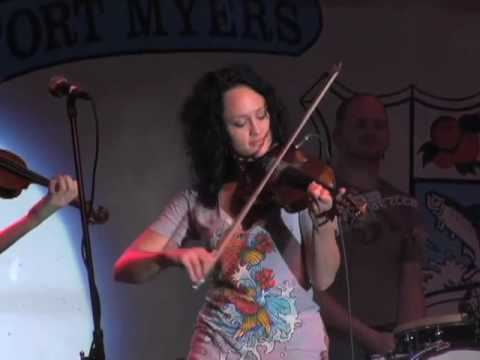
(44,308)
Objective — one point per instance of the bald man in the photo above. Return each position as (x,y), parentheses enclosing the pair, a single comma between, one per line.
(384,248)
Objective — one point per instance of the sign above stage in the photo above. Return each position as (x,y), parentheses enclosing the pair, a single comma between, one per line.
(39,33)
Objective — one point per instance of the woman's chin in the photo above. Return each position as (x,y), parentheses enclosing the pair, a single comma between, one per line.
(259,153)
(262,150)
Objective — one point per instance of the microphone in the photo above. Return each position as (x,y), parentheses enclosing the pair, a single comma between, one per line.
(60,86)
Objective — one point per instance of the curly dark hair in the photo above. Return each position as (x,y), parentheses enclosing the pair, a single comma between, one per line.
(207,140)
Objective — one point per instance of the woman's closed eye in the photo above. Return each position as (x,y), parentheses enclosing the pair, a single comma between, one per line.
(241,120)
(262,113)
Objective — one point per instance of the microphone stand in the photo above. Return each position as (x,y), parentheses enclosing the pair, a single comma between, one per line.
(97,349)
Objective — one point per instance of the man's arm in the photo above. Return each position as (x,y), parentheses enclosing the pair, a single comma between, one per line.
(411,297)
(336,317)
(411,302)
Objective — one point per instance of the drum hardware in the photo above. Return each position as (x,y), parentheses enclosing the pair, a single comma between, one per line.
(436,347)
(412,340)
(442,337)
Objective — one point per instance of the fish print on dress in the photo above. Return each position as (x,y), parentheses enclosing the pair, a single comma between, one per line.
(260,312)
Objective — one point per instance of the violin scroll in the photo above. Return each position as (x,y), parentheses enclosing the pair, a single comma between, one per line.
(97,216)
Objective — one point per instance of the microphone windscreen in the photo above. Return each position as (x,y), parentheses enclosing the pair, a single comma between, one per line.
(58,86)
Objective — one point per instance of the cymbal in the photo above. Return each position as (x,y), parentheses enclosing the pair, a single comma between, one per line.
(449,289)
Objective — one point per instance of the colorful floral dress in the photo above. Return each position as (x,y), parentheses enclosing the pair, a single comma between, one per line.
(256,308)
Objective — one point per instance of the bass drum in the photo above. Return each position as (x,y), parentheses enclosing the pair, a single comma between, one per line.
(447,337)
(455,355)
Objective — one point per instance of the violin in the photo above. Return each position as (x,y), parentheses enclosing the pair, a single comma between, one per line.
(15,177)
(288,185)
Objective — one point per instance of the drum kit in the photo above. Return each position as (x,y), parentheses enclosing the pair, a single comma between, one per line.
(447,337)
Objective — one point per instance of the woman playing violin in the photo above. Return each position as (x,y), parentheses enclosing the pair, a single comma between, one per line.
(62,190)
(260,302)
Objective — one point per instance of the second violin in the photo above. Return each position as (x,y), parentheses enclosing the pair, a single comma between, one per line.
(15,177)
